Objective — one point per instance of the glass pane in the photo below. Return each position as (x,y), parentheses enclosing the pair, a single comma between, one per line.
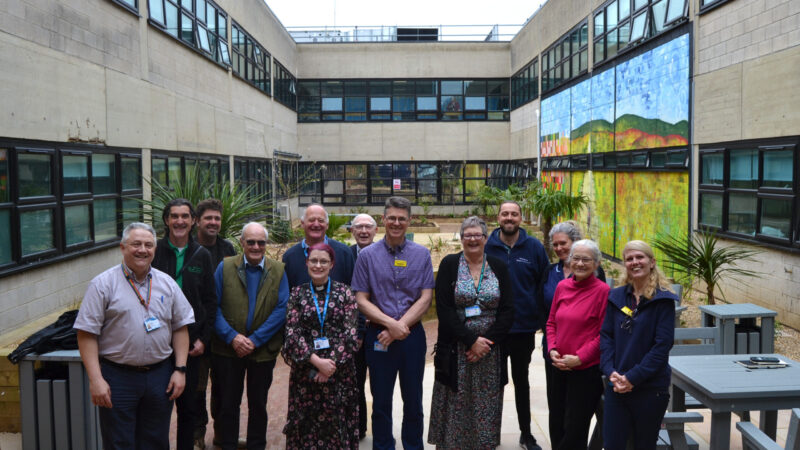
(380,103)
(638,4)
(713,168)
(156,8)
(202,34)
(33,171)
(222,28)
(475,103)
(403,88)
(76,224)
(4,195)
(333,187)
(5,236)
(742,213)
(354,187)
(778,166)
(744,169)
(599,25)
(131,211)
(335,171)
(308,88)
(223,52)
(356,171)
(452,88)
(611,16)
(332,88)
(380,88)
(159,170)
(105,219)
(355,104)
(711,210)
(201,10)
(36,228)
(175,174)
(426,103)
(75,171)
(675,10)
(104,180)
(131,173)
(451,103)
(381,186)
(332,104)
(776,217)
(659,12)
(171,15)
(211,16)
(427,87)
(599,49)
(624,9)
(638,29)
(475,88)
(187,28)
(624,34)
(355,88)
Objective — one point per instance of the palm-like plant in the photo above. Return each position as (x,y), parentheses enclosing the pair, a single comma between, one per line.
(551,203)
(701,257)
(241,203)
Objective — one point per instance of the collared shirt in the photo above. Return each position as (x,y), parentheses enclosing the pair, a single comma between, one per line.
(180,253)
(393,277)
(112,311)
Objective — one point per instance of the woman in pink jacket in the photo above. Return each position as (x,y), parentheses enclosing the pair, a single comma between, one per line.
(573,340)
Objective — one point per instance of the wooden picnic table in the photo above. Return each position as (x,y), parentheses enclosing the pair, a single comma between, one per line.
(724,386)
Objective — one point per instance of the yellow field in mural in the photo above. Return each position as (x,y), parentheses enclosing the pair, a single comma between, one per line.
(604,216)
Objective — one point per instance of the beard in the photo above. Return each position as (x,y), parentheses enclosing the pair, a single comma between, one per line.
(507,232)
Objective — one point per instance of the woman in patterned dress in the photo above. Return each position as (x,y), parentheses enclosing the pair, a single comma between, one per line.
(319,346)
(474,304)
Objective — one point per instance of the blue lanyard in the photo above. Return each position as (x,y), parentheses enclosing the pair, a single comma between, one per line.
(480,281)
(325,308)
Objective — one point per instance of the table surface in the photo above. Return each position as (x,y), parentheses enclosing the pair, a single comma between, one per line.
(58,355)
(737,311)
(720,377)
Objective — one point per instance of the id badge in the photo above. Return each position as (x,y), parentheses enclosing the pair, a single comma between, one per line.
(378,347)
(472,311)
(151,324)
(321,343)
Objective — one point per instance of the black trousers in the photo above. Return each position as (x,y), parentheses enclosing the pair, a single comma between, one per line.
(519,348)
(228,374)
(638,412)
(572,398)
(188,412)
(361,375)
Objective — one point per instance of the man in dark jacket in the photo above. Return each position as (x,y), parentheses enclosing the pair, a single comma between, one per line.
(527,261)
(209,221)
(189,264)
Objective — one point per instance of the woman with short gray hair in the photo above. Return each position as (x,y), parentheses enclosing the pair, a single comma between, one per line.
(573,343)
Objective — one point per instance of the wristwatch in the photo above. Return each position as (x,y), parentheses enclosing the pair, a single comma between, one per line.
(181,369)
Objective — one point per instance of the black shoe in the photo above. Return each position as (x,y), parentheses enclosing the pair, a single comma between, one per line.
(528,442)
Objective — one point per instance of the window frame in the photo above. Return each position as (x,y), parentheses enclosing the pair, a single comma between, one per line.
(216,54)
(555,59)
(249,61)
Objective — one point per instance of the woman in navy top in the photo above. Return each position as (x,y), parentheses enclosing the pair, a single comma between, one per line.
(635,341)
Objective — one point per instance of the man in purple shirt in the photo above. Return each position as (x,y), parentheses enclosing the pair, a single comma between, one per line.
(393,282)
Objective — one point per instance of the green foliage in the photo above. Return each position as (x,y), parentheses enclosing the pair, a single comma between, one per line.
(701,257)
(437,244)
(334,223)
(551,203)
(488,197)
(240,203)
(281,231)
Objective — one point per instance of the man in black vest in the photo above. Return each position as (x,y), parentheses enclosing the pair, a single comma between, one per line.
(189,264)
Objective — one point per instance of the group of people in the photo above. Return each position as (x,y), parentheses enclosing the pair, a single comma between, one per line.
(178,308)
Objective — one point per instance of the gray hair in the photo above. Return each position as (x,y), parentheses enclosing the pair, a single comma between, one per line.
(569,228)
(136,226)
(399,203)
(266,233)
(473,221)
(365,216)
(591,245)
(303,217)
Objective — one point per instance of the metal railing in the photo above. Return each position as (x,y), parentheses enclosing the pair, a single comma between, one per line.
(397,33)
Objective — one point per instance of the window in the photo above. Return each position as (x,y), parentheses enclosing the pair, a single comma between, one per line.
(402,100)
(285,91)
(250,61)
(200,24)
(255,175)
(66,201)
(567,58)
(750,189)
(623,24)
(525,85)
(708,5)
(132,5)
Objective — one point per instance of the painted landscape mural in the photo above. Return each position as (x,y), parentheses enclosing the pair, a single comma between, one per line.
(555,124)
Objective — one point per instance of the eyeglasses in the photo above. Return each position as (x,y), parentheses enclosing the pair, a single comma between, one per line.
(362,226)
(473,237)
(253,243)
(581,260)
(319,262)
(398,219)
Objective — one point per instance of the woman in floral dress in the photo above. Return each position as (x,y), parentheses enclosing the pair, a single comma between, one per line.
(319,346)
(475,308)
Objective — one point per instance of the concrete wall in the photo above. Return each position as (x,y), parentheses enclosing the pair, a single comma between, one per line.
(89,70)
(747,86)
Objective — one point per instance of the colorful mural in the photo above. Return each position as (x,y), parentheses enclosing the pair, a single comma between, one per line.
(602,128)
(581,117)
(555,126)
(652,98)
(605,212)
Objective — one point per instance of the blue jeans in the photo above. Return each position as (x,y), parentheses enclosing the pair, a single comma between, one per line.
(638,412)
(140,416)
(406,358)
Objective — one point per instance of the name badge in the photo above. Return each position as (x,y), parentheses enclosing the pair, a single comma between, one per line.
(472,311)
(400,263)
(151,324)
(627,311)
(321,343)
(378,347)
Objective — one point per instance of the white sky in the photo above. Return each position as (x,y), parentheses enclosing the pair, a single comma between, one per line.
(402,12)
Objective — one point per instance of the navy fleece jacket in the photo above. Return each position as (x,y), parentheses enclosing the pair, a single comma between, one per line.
(527,262)
(642,352)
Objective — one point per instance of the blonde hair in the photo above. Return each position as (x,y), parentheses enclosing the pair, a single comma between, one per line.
(657,277)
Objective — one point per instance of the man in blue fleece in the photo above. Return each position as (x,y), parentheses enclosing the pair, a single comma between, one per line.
(527,261)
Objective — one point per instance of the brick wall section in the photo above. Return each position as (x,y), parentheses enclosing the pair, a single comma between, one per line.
(108,36)
(743,30)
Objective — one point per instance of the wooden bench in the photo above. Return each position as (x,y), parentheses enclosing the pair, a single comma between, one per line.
(753,438)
